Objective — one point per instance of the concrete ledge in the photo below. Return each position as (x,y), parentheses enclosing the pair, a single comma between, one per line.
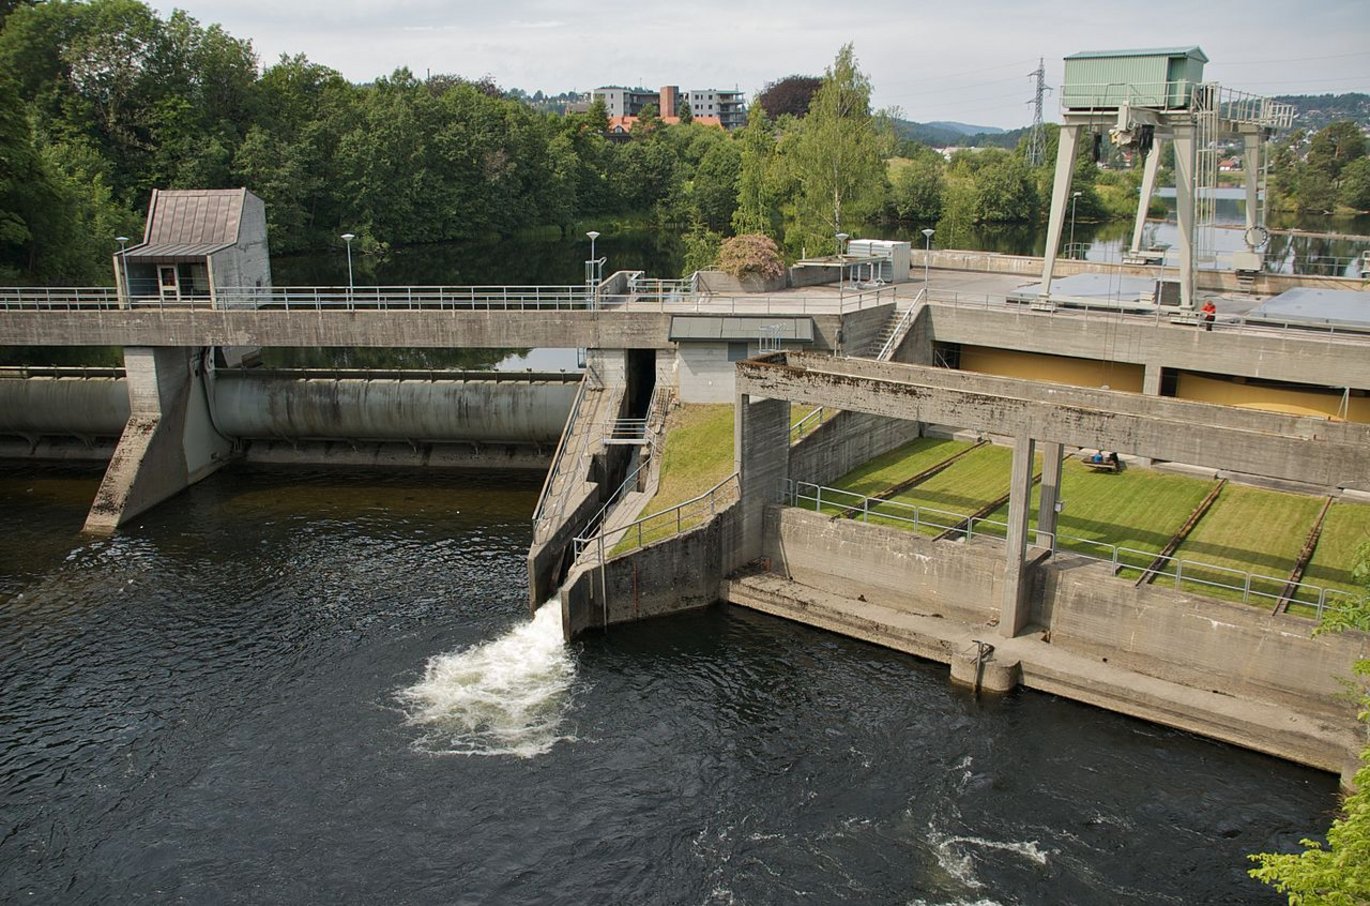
(1282,731)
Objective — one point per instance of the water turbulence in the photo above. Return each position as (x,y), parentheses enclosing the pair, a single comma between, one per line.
(507,696)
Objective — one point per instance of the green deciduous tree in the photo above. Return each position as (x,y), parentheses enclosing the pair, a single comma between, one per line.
(1336,873)
(835,159)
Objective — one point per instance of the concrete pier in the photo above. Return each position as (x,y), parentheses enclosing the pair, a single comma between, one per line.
(169,441)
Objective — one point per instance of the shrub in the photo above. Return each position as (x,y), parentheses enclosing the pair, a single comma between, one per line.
(751,254)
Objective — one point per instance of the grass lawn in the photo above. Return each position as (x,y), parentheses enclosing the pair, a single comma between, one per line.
(698,455)
(1346,527)
(899,464)
(1136,508)
(1248,530)
(960,489)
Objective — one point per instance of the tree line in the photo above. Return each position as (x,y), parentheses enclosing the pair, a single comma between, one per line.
(101,101)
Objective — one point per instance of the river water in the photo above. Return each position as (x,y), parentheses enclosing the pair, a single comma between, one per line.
(324,687)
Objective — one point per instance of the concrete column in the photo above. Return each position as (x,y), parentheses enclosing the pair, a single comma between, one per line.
(1060,197)
(1184,210)
(1052,455)
(1013,609)
(169,442)
(1149,168)
(761,451)
(1151,379)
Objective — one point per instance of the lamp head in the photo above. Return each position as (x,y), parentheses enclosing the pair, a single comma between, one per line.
(348,237)
(593,234)
(121,239)
(927,233)
(1076,194)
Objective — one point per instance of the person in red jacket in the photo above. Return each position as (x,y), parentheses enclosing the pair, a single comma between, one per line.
(1210,311)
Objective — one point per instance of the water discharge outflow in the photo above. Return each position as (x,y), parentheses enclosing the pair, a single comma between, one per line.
(507,696)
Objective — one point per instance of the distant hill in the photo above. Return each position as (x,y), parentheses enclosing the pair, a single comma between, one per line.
(957,135)
(965,129)
(1318,110)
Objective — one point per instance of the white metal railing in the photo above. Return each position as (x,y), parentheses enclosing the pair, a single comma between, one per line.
(901,327)
(674,520)
(313,298)
(627,429)
(437,298)
(806,424)
(1252,587)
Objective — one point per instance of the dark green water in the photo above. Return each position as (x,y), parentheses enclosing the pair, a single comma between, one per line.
(254,694)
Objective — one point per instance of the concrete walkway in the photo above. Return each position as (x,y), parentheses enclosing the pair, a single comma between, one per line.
(1263,726)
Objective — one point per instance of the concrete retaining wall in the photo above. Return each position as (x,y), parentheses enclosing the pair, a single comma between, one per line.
(726,284)
(1031,268)
(1299,357)
(898,569)
(845,441)
(676,574)
(1202,642)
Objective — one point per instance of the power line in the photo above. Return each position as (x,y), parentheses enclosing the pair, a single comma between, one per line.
(1335,56)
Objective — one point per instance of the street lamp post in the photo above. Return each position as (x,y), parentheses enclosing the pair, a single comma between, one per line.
(1070,249)
(841,275)
(927,256)
(348,237)
(123,268)
(590,282)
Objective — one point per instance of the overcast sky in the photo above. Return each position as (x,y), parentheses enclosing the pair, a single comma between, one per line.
(964,60)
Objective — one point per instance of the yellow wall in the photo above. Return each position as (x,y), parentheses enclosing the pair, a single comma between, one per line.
(1056,368)
(1274,399)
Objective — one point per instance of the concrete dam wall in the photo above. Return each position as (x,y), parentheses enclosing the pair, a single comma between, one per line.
(478,408)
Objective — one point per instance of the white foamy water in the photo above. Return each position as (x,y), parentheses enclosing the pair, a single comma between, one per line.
(507,696)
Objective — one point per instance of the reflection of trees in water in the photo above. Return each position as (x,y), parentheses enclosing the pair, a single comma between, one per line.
(354,357)
(1316,255)
(543,259)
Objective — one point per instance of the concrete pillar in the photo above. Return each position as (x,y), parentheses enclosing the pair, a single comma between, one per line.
(169,442)
(1151,379)
(1013,611)
(1149,168)
(1184,210)
(1052,455)
(1060,197)
(761,450)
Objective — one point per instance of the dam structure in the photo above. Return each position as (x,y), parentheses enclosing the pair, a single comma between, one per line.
(892,343)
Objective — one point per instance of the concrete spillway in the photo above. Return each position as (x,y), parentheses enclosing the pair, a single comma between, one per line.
(273,405)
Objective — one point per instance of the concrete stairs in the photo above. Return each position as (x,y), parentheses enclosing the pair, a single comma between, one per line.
(892,333)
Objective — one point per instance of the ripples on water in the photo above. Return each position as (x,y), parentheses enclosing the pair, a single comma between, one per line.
(204,709)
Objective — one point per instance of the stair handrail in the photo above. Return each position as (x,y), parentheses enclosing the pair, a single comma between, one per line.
(901,327)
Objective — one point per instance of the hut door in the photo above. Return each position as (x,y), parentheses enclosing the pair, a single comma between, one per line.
(168,283)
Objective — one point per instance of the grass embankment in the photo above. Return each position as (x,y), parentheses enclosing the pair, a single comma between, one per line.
(1347,526)
(1136,509)
(698,455)
(1247,530)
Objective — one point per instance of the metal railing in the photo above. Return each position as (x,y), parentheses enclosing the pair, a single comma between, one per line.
(627,430)
(767,304)
(661,525)
(546,508)
(657,296)
(312,298)
(1249,587)
(806,424)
